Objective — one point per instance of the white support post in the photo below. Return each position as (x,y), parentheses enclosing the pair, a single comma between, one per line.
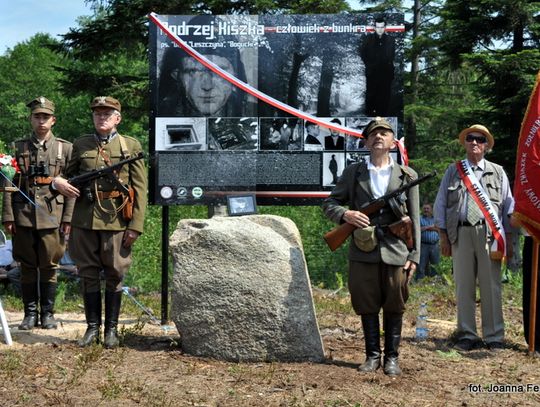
(5,326)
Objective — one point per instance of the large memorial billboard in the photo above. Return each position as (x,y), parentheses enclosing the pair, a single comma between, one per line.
(305,76)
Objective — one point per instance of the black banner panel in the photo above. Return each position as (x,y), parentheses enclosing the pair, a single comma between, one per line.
(211,138)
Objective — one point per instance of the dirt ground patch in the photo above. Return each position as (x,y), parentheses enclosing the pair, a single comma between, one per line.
(47,368)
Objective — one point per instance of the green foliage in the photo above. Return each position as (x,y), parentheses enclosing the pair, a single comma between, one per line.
(499,41)
(507,79)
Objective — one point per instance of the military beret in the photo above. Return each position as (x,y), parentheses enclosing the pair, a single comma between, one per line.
(106,101)
(41,105)
(377,123)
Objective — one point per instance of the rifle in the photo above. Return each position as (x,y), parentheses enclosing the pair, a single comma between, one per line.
(337,236)
(80,180)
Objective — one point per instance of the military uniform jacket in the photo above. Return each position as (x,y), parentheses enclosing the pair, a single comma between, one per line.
(17,208)
(390,249)
(102,214)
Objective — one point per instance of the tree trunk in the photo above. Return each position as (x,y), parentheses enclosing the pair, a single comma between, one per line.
(325,86)
(292,94)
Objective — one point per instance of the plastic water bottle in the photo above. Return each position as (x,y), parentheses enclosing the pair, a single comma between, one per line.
(421,323)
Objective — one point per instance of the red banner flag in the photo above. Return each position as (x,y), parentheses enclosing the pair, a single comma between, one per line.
(527,181)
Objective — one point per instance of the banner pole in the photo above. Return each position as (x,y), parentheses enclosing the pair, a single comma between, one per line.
(532,304)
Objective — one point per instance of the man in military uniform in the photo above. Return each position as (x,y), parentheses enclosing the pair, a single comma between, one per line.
(380,263)
(106,219)
(38,230)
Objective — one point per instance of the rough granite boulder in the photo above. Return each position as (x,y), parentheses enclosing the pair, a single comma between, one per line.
(241,290)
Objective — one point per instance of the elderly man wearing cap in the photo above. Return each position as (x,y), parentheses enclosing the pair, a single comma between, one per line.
(472,213)
(38,231)
(380,264)
(103,231)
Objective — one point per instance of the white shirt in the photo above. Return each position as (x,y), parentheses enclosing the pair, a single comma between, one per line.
(379,177)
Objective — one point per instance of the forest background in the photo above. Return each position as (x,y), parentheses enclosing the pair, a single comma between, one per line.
(466,62)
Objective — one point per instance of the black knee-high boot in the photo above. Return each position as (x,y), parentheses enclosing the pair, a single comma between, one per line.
(370,325)
(392,337)
(30,298)
(113,301)
(92,311)
(47,294)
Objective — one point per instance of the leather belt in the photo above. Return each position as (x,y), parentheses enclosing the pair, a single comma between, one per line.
(42,180)
(108,194)
(466,223)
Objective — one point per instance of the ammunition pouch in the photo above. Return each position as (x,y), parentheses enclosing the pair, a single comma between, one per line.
(366,239)
(402,229)
(127,210)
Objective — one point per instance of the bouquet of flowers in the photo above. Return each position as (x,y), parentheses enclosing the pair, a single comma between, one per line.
(8,168)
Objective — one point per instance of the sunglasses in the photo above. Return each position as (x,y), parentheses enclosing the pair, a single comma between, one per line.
(479,139)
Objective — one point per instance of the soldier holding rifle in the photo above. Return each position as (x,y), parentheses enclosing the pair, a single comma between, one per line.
(108,216)
(381,264)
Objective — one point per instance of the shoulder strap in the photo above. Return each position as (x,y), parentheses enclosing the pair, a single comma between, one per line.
(26,156)
(59,158)
(123,146)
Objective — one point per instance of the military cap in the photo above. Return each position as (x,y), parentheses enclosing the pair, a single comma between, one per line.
(477,128)
(377,123)
(106,101)
(41,105)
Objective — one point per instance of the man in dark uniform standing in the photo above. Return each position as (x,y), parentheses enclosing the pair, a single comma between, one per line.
(38,231)
(106,221)
(377,52)
(380,263)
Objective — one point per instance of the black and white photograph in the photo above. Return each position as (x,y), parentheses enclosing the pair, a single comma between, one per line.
(313,140)
(186,88)
(241,205)
(281,134)
(333,166)
(180,134)
(233,133)
(334,140)
(325,73)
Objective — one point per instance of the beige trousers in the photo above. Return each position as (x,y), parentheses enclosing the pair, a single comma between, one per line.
(471,262)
